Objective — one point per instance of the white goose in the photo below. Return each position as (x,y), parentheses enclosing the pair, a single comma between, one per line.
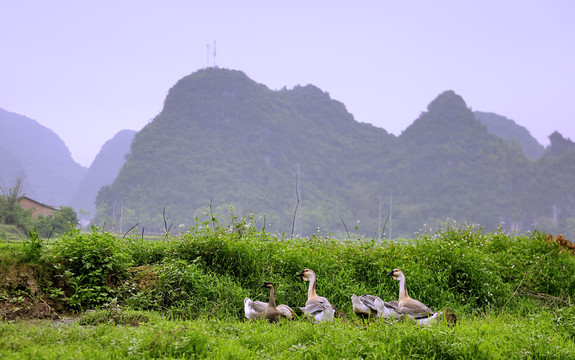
(316,307)
(371,306)
(411,307)
(259,309)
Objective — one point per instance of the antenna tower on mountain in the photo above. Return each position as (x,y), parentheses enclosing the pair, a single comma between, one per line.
(214,53)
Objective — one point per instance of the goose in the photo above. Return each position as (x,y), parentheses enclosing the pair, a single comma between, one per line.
(316,307)
(258,309)
(370,306)
(273,313)
(449,317)
(407,305)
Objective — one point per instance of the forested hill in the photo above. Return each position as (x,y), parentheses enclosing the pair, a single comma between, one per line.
(102,171)
(508,130)
(223,139)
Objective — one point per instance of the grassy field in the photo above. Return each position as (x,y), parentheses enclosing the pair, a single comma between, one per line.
(152,336)
(98,296)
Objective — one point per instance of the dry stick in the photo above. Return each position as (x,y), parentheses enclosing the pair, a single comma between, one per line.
(345,226)
(521,282)
(166,228)
(126,233)
(165,223)
(385,224)
(545,297)
(212,215)
(296,206)
(50,235)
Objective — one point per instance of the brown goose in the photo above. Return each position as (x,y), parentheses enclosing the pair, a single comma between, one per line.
(272,312)
(316,307)
(259,309)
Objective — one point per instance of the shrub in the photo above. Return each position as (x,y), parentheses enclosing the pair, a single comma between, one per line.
(32,247)
(186,290)
(92,263)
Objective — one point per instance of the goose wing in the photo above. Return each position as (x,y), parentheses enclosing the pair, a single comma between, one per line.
(366,305)
(254,309)
(319,308)
(286,311)
(387,309)
(392,305)
(315,307)
(371,301)
(415,309)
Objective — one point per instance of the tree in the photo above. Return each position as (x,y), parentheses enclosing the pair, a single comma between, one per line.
(58,224)
(11,213)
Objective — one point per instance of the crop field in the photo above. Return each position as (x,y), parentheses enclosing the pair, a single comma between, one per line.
(96,295)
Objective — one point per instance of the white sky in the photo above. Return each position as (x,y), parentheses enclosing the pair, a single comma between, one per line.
(88,69)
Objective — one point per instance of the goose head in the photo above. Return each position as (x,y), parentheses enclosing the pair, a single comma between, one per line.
(307,275)
(396,274)
(267,284)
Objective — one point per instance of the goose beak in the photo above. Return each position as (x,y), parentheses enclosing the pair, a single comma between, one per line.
(300,274)
(390,273)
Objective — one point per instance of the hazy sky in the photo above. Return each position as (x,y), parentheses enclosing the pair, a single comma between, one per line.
(87,70)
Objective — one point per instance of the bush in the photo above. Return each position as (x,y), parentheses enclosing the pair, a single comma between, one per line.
(185,290)
(32,248)
(93,265)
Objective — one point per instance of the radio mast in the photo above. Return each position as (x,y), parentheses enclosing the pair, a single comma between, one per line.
(214,53)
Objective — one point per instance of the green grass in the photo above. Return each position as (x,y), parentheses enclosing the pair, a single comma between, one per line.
(493,337)
(182,297)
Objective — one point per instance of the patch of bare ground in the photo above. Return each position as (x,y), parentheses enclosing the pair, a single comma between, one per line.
(22,298)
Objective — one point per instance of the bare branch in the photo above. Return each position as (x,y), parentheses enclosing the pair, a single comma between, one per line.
(212,219)
(167,230)
(385,224)
(126,233)
(296,204)
(345,226)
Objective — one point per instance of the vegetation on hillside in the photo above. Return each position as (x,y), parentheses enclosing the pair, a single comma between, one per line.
(510,131)
(224,141)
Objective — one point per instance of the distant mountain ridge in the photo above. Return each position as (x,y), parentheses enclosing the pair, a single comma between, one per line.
(509,130)
(228,145)
(37,155)
(41,157)
(223,141)
(102,171)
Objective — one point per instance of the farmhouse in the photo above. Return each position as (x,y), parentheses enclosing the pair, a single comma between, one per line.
(37,207)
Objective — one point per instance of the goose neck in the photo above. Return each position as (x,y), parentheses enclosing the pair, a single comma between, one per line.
(311,289)
(272,302)
(402,288)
